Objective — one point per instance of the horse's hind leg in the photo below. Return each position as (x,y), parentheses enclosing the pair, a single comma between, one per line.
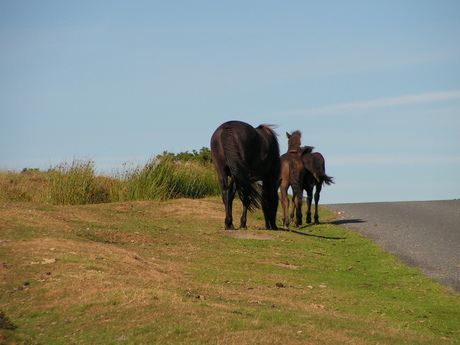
(298,208)
(244,215)
(297,190)
(309,200)
(285,205)
(297,202)
(270,203)
(317,193)
(228,194)
(292,210)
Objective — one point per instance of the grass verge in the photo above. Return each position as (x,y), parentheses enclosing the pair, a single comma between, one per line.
(151,272)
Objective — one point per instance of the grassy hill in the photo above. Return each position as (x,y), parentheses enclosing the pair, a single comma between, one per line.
(165,272)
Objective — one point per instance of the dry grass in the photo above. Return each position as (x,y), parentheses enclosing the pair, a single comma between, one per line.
(165,273)
(76,183)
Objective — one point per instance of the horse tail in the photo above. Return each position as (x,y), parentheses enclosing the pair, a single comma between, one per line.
(241,175)
(320,171)
(327,179)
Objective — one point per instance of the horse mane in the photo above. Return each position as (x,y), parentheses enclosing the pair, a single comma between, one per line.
(306,149)
(269,129)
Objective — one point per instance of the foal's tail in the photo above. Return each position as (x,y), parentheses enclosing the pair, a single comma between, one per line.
(326,179)
(320,171)
(247,190)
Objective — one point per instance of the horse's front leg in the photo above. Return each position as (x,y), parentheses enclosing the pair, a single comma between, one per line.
(317,192)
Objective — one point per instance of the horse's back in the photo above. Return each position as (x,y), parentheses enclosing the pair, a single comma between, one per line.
(315,168)
(252,146)
(313,161)
(237,128)
(292,170)
(291,161)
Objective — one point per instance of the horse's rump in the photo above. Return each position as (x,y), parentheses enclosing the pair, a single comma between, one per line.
(314,163)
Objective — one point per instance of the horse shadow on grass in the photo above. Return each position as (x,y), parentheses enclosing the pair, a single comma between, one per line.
(335,222)
(311,235)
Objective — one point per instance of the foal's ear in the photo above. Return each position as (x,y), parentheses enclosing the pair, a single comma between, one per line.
(288,135)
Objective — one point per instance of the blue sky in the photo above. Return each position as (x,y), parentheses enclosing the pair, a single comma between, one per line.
(373,85)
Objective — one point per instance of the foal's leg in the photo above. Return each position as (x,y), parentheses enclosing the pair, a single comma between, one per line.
(292,209)
(298,193)
(297,201)
(298,209)
(309,190)
(317,192)
(285,203)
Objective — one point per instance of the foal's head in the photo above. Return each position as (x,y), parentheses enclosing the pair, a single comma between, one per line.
(294,141)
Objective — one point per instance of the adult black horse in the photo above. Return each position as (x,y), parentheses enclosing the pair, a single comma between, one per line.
(246,155)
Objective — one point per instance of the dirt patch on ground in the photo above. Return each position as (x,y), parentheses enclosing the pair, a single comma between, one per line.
(197,207)
(80,254)
(248,235)
(288,265)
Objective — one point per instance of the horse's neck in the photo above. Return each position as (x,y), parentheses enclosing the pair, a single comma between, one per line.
(294,148)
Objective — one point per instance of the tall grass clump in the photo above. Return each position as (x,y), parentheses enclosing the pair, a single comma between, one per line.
(76,184)
(171,176)
(30,185)
(167,176)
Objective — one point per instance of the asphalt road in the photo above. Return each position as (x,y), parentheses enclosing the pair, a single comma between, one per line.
(424,234)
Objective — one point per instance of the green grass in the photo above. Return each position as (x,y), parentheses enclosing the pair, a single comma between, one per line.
(164,272)
(169,179)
